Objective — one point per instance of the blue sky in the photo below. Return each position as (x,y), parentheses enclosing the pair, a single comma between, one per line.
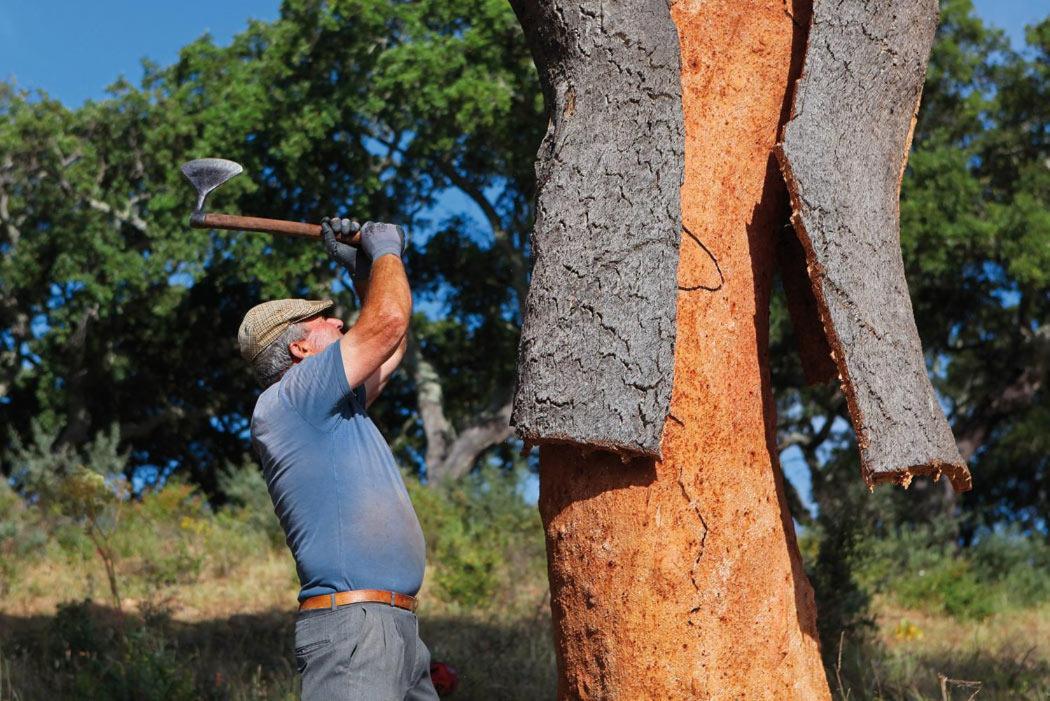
(73,50)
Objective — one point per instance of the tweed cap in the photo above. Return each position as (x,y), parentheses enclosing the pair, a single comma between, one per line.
(265,322)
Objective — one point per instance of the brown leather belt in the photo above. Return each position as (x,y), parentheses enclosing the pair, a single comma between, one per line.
(359,596)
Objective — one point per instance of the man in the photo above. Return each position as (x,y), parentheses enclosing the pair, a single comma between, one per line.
(357,543)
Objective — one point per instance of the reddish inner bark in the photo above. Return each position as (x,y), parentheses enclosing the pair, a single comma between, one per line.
(682,578)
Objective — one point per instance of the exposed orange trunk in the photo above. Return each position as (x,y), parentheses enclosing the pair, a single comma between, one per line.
(682,578)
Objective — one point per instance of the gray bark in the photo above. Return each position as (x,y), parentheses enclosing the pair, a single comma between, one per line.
(596,359)
(843,156)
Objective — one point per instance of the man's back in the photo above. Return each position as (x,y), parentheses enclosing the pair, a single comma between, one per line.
(334,484)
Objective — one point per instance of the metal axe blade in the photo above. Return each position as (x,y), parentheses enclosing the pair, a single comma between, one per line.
(206,174)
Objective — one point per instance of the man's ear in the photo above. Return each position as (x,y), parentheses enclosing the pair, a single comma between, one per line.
(298,349)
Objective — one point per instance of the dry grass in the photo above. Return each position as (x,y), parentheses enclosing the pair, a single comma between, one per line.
(232,633)
(917,655)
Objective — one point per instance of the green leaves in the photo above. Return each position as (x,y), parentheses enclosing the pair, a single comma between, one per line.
(354,106)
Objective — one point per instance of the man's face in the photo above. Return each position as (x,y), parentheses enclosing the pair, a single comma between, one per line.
(321,332)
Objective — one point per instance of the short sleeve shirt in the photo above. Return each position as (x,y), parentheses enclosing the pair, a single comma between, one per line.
(335,486)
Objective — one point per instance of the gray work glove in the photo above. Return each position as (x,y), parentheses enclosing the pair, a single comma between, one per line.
(357,263)
(379,239)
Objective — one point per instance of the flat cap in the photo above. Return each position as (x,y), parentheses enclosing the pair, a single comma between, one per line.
(264,323)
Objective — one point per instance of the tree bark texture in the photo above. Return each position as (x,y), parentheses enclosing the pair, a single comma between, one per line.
(843,156)
(597,347)
(681,577)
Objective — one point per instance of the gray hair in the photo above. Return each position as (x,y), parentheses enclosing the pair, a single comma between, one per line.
(276,358)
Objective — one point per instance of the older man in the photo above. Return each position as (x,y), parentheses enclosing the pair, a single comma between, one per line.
(336,489)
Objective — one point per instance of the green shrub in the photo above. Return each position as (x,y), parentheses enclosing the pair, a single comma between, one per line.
(1018,564)
(22,540)
(248,503)
(947,585)
(923,568)
(98,661)
(481,537)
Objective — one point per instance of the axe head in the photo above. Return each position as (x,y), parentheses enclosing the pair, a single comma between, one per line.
(206,174)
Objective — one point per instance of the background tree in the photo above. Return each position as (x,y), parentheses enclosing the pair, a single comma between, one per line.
(113,310)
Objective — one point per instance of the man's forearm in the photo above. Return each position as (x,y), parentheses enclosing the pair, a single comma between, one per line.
(383,323)
(387,288)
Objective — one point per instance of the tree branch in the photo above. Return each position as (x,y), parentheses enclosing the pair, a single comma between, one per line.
(79,419)
(972,431)
(430,399)
(471,443)
(514,256)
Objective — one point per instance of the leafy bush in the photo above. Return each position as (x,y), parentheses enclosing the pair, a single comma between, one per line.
(22,540)
(481,537)
(248,501)
(95,661)
(923,568)
(1018,565)
(82,487)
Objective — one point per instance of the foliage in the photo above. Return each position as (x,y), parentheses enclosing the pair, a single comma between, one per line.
(114,311)
(481,537)
(84,488)
(21,536)
(1001,572)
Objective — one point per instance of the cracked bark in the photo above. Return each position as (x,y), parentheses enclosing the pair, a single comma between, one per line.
(843,155)
(597,342)
(680,577)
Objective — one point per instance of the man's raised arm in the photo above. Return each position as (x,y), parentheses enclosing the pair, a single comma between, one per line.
(381,327)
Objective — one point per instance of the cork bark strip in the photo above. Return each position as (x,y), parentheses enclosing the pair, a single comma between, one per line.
(843,156)
(596,358)
(681,578)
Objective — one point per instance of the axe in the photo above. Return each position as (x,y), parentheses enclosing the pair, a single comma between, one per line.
(206,174)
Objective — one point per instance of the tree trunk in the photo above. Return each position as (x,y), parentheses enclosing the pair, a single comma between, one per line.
(681,577)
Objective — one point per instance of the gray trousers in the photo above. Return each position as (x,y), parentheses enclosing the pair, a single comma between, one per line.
(370,652)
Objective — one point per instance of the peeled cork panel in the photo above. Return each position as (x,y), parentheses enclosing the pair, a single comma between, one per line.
(596,360)
(843,156)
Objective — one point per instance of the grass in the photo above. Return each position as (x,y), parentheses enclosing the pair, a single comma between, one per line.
(207,607)
(934,656)
(229,637)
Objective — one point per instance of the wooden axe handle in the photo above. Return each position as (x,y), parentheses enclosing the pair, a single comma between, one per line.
(270,226)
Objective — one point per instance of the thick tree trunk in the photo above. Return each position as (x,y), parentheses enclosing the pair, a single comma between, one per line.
(681,578)
(843,155)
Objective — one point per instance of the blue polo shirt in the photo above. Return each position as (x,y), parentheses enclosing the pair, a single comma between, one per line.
(334,483)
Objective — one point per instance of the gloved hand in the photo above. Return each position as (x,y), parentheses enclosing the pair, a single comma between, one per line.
(379,239)
(356,263)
